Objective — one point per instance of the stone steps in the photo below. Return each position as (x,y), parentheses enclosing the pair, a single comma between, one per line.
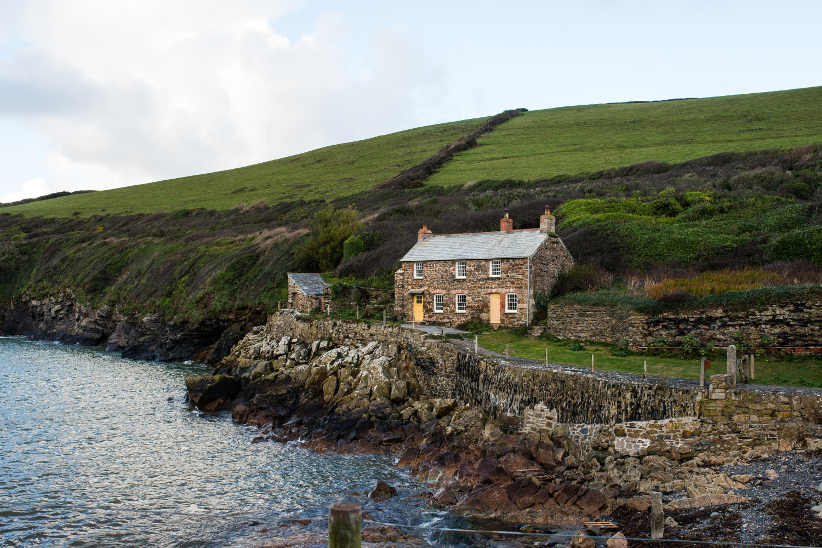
(535,331)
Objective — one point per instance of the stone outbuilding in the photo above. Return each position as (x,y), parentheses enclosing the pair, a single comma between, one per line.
(491,276)
(307,292)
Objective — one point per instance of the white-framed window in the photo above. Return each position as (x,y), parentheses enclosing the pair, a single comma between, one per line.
(438,302)
(462,302)
(511,302)
(418,270)
(496,268)
(461,268)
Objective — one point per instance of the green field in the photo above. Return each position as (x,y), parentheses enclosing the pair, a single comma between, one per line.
(537,145)
(797,372)
(325,173)
(570,140)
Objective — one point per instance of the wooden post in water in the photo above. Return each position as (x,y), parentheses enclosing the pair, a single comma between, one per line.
(702,371)
(345,525)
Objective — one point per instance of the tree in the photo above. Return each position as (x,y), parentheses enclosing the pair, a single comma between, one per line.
(323,250)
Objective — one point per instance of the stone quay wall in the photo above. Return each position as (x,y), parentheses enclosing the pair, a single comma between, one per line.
(433,359)
(577,396)
(632,415)
(795,325)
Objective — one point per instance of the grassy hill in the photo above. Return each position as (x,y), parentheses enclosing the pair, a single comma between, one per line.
(321,174)
(546,143)
(537,145)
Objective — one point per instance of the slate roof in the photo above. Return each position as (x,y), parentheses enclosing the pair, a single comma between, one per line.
(479,245)
(309,284)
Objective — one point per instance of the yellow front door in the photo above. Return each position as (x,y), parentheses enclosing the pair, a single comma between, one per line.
(494,307)
(417,308)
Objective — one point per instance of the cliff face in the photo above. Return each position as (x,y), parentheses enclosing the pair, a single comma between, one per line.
(150,337)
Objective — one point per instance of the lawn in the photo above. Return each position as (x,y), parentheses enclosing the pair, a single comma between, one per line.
(570,140)
(793,372)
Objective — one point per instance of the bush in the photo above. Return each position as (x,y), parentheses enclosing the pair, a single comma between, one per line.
(330,228)
(576,347)
(583,277)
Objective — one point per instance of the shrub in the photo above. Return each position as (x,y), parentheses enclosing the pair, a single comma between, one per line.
(576,347)
(583,277)
(329,229)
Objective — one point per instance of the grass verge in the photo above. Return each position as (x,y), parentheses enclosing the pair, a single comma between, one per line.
(805,372)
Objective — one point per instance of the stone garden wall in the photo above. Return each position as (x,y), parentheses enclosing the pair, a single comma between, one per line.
(795,325)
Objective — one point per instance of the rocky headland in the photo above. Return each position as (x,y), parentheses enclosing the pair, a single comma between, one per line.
(355,387)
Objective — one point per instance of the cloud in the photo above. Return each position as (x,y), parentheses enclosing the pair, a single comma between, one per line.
(135,91)
(31,189)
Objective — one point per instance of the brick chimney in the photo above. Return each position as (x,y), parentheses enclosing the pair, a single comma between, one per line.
(423,232)
(547,223)
(506,224)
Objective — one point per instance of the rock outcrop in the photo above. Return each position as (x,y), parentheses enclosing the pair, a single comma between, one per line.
(149,337)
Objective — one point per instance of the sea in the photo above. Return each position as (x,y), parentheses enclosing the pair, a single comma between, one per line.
(96,450)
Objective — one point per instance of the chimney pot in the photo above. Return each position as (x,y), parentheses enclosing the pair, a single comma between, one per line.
(547,223)
(506,224)
(423,232)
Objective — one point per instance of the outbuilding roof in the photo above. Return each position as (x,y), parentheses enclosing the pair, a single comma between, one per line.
(309,284)
(479,245)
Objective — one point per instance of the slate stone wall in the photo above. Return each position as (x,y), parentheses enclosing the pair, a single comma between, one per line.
(509,390)
(795,325)
(625,408)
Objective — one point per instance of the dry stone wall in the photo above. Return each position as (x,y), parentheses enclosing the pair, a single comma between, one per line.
(795,325)
(509,388)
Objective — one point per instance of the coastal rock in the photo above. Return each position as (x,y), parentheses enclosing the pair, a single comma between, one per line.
(382,491)
(206,389)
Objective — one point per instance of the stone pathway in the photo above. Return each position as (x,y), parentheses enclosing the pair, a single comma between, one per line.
(435,329)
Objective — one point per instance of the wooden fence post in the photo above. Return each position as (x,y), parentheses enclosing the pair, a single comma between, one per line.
(546,356)
(592,363)
(751,358)
(476,344)
(345,525)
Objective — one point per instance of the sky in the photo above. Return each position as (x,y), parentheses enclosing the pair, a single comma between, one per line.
(98,94)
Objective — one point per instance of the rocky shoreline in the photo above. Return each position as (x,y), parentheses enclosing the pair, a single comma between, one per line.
(150,337)
(366,396)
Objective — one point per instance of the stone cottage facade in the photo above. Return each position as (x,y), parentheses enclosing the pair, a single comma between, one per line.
(307,292)
(491,276)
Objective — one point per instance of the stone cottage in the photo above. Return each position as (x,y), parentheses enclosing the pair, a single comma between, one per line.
(307,292)
(493,276)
